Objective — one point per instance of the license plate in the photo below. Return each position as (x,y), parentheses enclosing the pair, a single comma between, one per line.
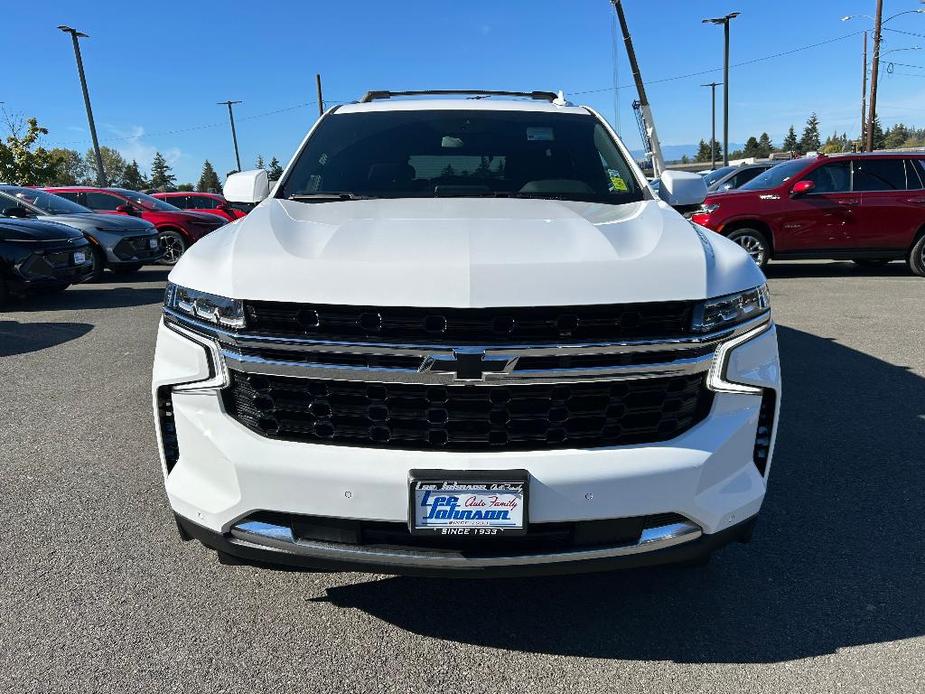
(152,243)
(79,257)
(468,503)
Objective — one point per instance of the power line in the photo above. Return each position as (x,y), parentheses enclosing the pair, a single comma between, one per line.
(907,33)
(717,69)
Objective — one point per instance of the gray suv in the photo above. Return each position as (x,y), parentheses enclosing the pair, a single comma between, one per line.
(123,244)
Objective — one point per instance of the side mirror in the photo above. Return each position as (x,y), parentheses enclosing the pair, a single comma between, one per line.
(125,208)
(802,188)
(682,189)
(223,205)
(247,186)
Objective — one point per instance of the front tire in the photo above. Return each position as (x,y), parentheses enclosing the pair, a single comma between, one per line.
(174,245)
(917,257)
(99,264)
(755,243)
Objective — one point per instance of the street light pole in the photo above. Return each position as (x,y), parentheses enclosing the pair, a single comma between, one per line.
(100,174)
(712,86)
(234,135)
(725,22)
(863,92)
(874,69)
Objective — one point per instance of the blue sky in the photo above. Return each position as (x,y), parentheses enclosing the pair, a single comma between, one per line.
(156,70)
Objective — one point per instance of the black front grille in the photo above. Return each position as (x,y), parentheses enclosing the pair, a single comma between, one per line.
(483,326)
(135,247)
(468,417)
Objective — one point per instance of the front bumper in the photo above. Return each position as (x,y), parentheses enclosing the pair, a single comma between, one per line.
(123,249)
(219,474)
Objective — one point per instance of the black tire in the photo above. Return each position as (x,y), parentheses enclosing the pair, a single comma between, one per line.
(917,257)
(174,245)
(755,243)
(870,262)
(99,264)
(126,269)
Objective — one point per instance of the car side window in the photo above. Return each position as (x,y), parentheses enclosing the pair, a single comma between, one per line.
(879,174)
(202,202)
(914,174)
(103,201)
(72,196)
(831,178)
(177,201)
(744,177)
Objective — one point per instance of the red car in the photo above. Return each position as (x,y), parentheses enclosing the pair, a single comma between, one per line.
(869,208)
(178,229)
(211,203)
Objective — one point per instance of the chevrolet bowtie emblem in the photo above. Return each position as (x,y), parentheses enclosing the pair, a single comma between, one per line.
(468,365)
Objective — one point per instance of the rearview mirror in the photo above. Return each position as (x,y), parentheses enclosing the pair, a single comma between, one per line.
(247,186)
(682,189)
(802,188)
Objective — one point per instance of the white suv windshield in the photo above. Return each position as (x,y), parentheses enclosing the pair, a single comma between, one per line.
(427,153)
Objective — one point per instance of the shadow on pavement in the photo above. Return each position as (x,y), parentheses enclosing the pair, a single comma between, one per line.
(21,338)
(88,296)
(148,274)
(836,560)
(785,270)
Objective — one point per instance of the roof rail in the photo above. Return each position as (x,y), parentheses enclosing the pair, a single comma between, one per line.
(476,93)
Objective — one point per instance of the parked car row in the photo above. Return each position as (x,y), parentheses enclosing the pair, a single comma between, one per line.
(54,237)
(868,207)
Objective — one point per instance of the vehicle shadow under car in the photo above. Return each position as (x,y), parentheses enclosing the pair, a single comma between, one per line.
(836,560)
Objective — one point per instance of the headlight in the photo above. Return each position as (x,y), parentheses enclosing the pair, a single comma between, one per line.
(725,311)
(208,307)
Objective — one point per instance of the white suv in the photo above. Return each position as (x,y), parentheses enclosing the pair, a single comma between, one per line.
(464,337)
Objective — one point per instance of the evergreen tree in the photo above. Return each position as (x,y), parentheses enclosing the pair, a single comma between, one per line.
(895,136)
(113,166)
(810,141)
(765,146)
(685,159)
(879,139)
(259,163)
(275,172)
(132,178)
(186,187)
(790,142)
(161,175)
(751,147)
(208,180)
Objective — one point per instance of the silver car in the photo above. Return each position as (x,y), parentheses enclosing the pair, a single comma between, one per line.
(121,243)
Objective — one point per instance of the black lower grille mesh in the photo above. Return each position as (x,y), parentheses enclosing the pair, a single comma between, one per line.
(468,417)
(168,427)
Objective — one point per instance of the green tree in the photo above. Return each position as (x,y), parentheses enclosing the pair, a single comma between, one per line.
(113,166)
(133,178)
(275,172)
(208,180)
(161,175)
(790,142)
(21,161)
(765,146)
(259,163)
(751,147)
(810,142)
(703,151)
(879,137)
(685,159)
(186,187)
(895,136)
(70,167)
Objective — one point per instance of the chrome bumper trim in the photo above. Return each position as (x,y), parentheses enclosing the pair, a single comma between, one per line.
(280,538)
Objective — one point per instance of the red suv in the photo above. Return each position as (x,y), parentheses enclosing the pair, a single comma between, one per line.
(869,208)
(210,203)
(177,228)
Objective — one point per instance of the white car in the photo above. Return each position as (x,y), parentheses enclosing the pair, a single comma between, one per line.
(463,338)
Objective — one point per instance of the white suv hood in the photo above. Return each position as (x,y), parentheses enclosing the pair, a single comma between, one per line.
(465,252)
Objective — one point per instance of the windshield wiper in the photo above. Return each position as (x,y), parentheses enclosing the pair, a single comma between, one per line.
(327,197)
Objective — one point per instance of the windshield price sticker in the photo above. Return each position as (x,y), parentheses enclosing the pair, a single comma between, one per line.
(468,508)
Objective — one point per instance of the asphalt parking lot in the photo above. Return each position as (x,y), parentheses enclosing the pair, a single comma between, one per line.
(97,593)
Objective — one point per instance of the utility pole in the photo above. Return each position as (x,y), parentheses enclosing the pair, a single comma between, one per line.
(874,69)
(320,97)
(713,86)
(725,22)
(863,94)
(658,163)
(100,174)
(234,135)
